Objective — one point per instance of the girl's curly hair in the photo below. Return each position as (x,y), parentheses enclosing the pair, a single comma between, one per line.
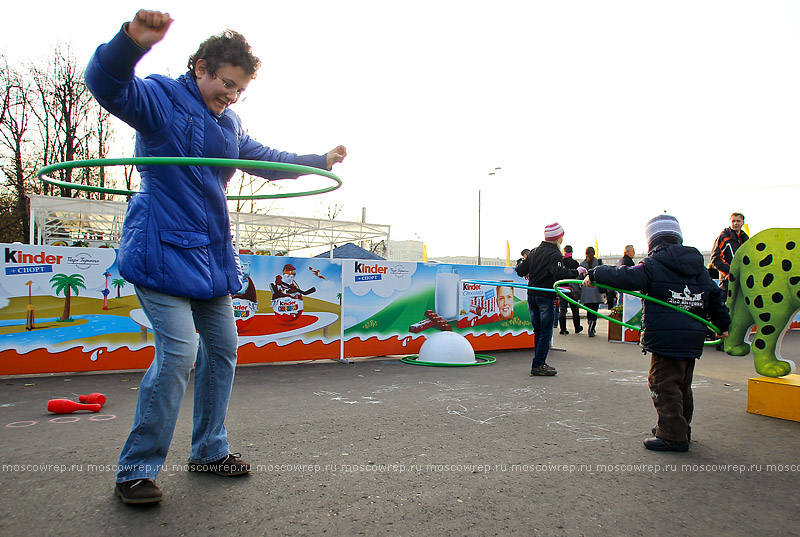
(226,47)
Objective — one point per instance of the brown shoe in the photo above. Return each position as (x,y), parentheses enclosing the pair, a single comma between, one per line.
(138,491)
(543,370)
(228,466)
(659,444)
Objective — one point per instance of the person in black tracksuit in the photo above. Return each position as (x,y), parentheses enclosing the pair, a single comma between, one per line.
(544,266)
(675,274)
(725,247)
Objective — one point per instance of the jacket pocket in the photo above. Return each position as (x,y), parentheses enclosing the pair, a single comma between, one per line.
(185,239)
(186,269)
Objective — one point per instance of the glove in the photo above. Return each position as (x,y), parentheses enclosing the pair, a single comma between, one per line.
(582,271)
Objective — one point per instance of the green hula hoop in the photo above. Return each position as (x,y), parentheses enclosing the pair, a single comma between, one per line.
(486,360)
(640,295)
(187,161)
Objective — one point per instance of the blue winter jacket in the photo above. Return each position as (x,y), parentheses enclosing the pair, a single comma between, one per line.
(675,274)
(176,238)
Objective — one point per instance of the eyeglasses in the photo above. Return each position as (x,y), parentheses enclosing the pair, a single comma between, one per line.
(230,87)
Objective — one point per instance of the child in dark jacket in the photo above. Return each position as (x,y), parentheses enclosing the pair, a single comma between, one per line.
(675,274)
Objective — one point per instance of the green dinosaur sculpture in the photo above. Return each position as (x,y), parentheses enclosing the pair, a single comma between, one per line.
(764,289)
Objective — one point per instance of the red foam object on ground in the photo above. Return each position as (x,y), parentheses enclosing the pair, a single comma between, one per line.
(93,398)
(65,406)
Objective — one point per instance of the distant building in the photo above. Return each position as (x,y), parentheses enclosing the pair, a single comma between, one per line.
(470,260)
(406,251)
(414,251)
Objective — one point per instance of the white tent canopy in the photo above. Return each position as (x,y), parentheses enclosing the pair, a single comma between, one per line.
(56,220)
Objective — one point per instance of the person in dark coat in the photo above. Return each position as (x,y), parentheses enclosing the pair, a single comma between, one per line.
(575,289)
(591,296)
(725,247)
(674,274)
(627,259)
(544,266)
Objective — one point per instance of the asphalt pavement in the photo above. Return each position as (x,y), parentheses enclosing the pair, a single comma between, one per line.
(380,447)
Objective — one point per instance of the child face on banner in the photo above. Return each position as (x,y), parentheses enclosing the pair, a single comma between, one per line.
(505,302)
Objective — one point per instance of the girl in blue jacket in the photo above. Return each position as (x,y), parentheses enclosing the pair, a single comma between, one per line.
(176,245)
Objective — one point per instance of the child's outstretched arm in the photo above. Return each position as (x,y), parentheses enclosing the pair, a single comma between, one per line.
(625,278)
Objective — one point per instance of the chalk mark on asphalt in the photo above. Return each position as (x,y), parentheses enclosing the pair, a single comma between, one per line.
(484,404)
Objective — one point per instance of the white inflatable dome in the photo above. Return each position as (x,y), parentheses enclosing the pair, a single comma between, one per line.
(447,348)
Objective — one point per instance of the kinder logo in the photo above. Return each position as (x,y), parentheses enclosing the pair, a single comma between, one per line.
(34,263)
(361,268)
(365,273)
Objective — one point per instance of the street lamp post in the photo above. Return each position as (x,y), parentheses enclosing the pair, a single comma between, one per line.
(479,216)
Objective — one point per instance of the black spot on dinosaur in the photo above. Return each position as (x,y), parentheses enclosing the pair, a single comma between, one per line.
(765,317)
(767,330)
(758,302)
(768,280)
(761,246)
(787,265)
(767,261)
(777,298)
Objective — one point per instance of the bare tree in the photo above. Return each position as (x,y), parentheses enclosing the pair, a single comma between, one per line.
(47,116)
(64,113)
(333,211)
(15,117)
(103,134)
(378,248)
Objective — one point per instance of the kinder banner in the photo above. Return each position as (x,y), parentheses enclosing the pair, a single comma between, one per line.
(391,306)
(68,309)
(631,314)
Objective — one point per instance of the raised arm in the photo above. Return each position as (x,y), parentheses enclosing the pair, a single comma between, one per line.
(148,27)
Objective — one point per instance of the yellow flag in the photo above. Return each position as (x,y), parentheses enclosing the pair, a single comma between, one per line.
(508,254)
(596,248)
(746,229)
(424,254)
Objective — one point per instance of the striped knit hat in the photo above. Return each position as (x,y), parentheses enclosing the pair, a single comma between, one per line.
(663,225)
(553,231)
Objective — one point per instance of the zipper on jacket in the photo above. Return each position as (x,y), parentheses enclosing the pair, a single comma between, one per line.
(190,134)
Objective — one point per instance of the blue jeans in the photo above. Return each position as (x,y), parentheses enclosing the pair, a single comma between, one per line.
(177,322)
(542,313)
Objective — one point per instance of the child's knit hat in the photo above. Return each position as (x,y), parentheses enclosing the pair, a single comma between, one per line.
(663,225)
(553,231)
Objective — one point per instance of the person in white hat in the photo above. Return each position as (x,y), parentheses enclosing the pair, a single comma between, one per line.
(675,274)
(544,266)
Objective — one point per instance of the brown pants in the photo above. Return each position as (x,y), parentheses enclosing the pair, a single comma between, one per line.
(670,383)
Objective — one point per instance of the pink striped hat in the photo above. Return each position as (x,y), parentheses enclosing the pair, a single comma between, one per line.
(553,232)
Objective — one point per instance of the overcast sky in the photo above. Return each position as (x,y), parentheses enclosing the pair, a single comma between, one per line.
(600,114)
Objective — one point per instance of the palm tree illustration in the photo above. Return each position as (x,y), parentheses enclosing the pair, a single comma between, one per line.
(62,283)
(119,283)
